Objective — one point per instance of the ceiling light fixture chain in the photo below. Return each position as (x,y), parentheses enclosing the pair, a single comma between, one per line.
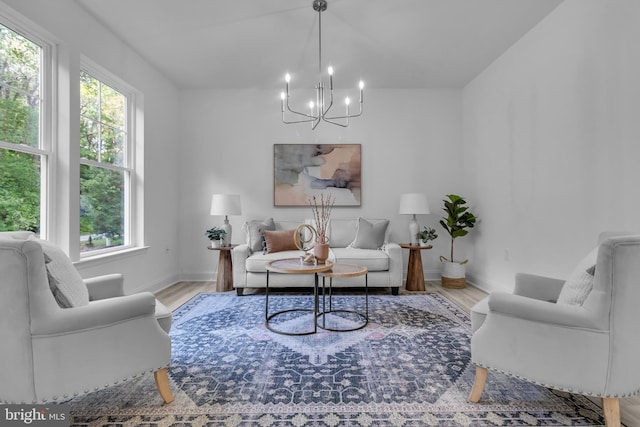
(319,110)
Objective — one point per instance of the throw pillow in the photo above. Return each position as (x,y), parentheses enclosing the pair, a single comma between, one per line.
(280,240)
(64,280)
(579,284)
(369,235)
(53,286)
(254,231)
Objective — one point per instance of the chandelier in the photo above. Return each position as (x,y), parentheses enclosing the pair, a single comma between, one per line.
(319,110)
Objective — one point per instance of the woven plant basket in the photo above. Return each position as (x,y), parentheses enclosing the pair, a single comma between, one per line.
(453,274)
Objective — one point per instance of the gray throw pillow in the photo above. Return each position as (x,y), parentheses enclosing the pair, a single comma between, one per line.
(62,301)
(255,233)
(369,235)
(64,280)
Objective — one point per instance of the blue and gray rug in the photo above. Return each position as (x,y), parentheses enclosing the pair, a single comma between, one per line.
(409,367)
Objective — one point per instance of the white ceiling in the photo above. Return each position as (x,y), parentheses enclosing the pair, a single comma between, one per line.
(243,44)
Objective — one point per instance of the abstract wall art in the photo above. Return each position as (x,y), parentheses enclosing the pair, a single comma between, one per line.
(301,171)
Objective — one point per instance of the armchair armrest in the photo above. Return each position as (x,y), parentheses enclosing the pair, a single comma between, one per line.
(107,286)
(538,287)
(96,314)
(542,312)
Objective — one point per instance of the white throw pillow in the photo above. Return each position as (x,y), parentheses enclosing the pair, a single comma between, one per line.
(63,277)
(579,284)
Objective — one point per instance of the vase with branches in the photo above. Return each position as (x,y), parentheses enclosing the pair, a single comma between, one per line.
(321,209)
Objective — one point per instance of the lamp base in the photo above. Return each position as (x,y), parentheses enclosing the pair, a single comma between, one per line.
(226,240)
(413,231)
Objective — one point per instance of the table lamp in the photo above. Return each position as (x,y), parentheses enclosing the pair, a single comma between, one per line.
(414,204)
(226,204)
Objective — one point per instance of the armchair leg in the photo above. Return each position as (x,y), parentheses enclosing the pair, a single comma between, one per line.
(611,406)
(478,384)
(162,382)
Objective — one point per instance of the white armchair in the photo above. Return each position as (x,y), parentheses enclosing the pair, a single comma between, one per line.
(52,353)
(588,348)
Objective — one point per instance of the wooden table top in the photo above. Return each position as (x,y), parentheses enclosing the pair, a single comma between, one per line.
(345,270)
(222,248)
(296,266)
(410,246)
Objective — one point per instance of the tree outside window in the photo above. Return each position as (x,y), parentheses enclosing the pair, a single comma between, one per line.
(21,146)
(104,172)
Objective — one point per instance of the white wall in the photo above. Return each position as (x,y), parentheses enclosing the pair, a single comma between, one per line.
(551,142)
(79,34)
(411,141)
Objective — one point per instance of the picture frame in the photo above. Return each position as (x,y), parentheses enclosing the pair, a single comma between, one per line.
(301,171)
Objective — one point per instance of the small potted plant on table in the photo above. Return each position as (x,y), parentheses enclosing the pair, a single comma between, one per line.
(215,234)
(457,222)
(425,235)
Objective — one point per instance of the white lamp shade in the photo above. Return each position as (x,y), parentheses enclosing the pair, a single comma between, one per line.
(225,204)
(414,203)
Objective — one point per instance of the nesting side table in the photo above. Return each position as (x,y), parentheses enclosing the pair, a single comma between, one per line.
(293,266)
(344,270)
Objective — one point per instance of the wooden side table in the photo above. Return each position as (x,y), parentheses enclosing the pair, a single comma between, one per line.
(224,281)
(415,274)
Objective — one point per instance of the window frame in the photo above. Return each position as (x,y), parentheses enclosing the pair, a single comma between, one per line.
(47,125)
(129,167)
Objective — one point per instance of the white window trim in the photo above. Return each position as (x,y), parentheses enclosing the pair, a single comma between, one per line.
(48,114)
(133,191)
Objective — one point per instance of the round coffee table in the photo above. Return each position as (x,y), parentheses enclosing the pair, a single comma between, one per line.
(294,266)
(344,270)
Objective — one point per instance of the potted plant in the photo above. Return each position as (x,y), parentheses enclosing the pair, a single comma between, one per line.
(215,234)
(425,235)
(457,223)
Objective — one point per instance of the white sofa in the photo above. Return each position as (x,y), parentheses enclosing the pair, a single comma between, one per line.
(351,241)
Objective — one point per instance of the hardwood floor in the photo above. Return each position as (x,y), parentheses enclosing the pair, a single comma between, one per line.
(176,295)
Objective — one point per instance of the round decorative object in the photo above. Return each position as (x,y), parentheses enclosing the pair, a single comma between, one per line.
(300,242)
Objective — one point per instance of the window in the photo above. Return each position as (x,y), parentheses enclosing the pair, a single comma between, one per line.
(24,137)
(106,164)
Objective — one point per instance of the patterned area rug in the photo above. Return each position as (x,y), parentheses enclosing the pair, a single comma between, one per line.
(410,366)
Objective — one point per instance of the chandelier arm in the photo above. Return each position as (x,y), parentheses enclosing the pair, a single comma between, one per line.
(314,125)
(344,125)
(295,121)
(309,116)
(348,116)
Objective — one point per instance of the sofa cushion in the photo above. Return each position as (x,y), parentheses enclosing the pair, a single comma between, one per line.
(342,232)
(280,240)
(256,263)
(579,284)
(254,233)
(373,260)
(370,235)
